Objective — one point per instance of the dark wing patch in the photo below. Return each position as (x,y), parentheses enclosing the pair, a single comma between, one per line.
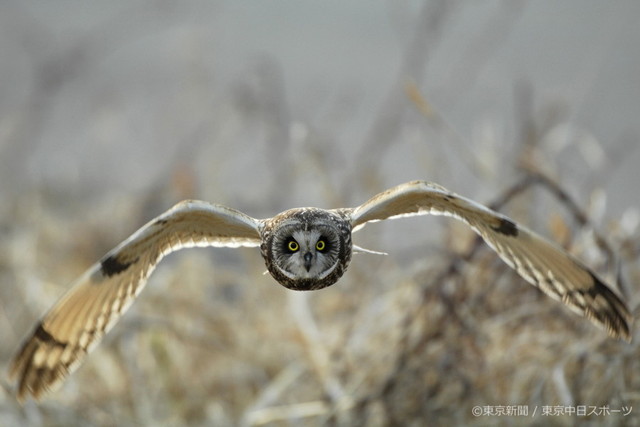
(44,336)
(111,266)
(39,376)
(506,227)
(608,316)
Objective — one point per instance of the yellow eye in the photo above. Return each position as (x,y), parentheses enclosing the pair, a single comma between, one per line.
(293,246)
(320,245)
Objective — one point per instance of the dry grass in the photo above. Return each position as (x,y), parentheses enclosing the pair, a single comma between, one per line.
(214,341)
(419,337)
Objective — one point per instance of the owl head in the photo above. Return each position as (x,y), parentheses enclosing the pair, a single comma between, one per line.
(308,248)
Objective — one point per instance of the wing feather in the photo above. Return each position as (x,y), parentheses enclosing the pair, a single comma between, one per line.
(96,300)
(537,260)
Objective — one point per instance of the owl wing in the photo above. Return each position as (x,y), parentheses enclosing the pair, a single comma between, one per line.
(95,302)
(540,262)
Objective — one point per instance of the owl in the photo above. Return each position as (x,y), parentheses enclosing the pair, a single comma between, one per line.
(303,249)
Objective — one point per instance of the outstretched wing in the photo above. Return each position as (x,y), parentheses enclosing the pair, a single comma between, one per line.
(95,302)
(536,259)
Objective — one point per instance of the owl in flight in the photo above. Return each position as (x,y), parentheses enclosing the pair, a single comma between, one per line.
(303,249)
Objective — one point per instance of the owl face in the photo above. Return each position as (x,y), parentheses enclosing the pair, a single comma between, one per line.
(307,249)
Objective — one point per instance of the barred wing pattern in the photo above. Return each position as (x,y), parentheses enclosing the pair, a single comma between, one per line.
(95,302)
(540,262)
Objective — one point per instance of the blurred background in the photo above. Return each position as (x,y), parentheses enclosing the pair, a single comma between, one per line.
(111,112)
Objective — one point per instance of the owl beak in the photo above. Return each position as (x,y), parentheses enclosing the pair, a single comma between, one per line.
(307,260)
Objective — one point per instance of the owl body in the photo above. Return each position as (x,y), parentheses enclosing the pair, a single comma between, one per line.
(307,249)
